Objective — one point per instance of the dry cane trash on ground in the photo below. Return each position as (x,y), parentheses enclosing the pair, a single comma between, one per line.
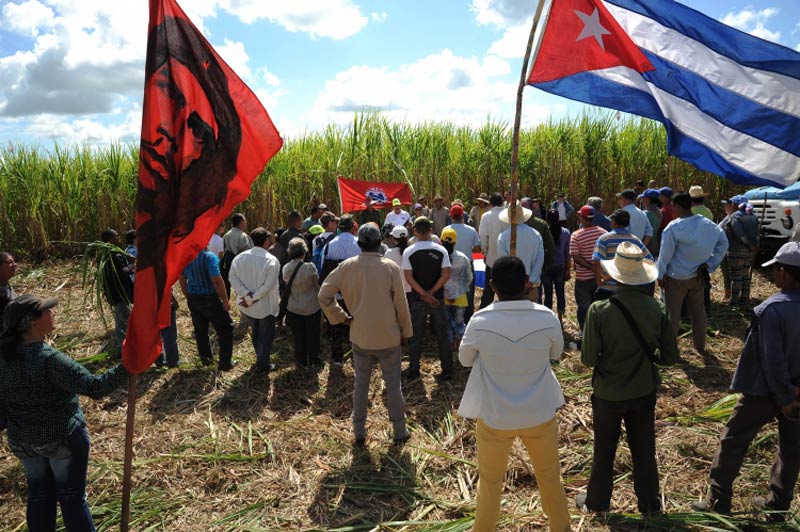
(233,452)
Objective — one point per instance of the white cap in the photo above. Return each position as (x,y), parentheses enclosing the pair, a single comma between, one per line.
(789,254)
(398,231)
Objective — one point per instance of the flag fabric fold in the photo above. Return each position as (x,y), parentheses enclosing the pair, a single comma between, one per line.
(353,194)
(205,138)
(730,102)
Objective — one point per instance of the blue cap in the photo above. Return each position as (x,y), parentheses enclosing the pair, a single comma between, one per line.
(666,191)
(739,199)
(650,193)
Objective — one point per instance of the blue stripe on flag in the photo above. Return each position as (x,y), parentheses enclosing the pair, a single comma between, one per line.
(729,108)
(593,89)
(743,48)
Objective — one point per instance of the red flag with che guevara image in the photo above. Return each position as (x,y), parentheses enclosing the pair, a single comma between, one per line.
(205,138)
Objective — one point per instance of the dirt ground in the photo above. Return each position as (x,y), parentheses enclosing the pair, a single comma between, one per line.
(238,452)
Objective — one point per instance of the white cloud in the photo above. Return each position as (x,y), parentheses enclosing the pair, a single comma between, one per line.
(235,55)
(503,12)
(379,17)
(512,44)
(754,22)
(27,18)
(91,130)
(337,19)
(462,90)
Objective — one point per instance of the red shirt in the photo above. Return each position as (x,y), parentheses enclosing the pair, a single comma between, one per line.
(667,215)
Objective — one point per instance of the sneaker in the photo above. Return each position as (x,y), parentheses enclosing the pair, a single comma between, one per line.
(710,505)
(774,515)
(580,503)
(263,370)
(206,361)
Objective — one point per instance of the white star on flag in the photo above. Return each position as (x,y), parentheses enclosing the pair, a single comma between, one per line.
(592,27)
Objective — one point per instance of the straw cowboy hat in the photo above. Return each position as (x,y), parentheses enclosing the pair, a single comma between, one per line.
(696,191)
(629,266)
(522,215)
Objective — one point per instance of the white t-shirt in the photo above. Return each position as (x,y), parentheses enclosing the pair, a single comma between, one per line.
(215,245)
(397,256)
(397,219)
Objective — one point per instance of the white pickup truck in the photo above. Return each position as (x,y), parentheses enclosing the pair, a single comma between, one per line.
(778,213)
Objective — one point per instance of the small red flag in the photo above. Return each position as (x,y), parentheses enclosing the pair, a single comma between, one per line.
(353,194)
(582,35)
(205,138)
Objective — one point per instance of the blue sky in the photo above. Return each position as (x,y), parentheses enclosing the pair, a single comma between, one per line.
(71,71)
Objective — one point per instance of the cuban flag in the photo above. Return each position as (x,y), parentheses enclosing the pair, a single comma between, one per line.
(730,102)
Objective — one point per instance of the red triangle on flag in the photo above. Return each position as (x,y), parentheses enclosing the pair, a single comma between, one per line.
(582,35)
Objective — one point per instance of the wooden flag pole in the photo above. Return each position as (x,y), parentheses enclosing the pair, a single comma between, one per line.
(523,80)
(127,468)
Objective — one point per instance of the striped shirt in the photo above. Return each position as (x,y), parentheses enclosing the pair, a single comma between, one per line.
(341,248)
(606,248)
(199,273)
(582,243)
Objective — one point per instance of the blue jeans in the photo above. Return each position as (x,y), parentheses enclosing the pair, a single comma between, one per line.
(59,475)
(169,341)
(584,297)
(439,320)
(456,325)
(122,312)
(554,279)
(263,333)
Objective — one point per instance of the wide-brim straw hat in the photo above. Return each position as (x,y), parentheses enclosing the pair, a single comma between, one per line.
(629,266)
(521,216)
(696,191)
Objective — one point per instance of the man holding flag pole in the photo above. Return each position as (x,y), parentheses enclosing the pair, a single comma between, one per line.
(205,138)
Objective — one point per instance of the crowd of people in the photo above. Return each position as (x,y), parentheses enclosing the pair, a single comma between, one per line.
(376,282)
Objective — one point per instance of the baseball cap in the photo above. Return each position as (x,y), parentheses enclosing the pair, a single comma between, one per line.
(398,231)
(789,254)
(629,194)
(621,217)
(396,202)
(18,308)
(649,193)
(346,223)
(422,223)
(417,206)
(456,211)
(666,191)
(369,233)
(316,230)
(587,211)
(449,235)
(322,207)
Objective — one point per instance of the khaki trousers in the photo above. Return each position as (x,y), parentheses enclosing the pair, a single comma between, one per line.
(494,447)
(691,290)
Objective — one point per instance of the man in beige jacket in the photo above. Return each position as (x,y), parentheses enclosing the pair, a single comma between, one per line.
(379,320)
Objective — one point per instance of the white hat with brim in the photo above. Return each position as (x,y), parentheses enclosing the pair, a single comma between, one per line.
(522,215)
(696,191)
(629,266)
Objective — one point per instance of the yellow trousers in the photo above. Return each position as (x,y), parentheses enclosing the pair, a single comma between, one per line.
(494,447)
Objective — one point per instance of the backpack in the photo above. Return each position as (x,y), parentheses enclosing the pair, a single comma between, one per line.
(328,265)
(316,256)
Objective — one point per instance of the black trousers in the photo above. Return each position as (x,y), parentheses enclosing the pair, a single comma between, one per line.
(337,335)
(488,292)
(748,418)
(639,417)
(205,310)
(305,330)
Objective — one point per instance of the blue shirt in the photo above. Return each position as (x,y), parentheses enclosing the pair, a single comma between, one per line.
(606,248)
(530,249)
(562,248)
(342,247)
(687,244)
(639,224)
(466,238)
(601,220)
(770,361)
(199,273)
